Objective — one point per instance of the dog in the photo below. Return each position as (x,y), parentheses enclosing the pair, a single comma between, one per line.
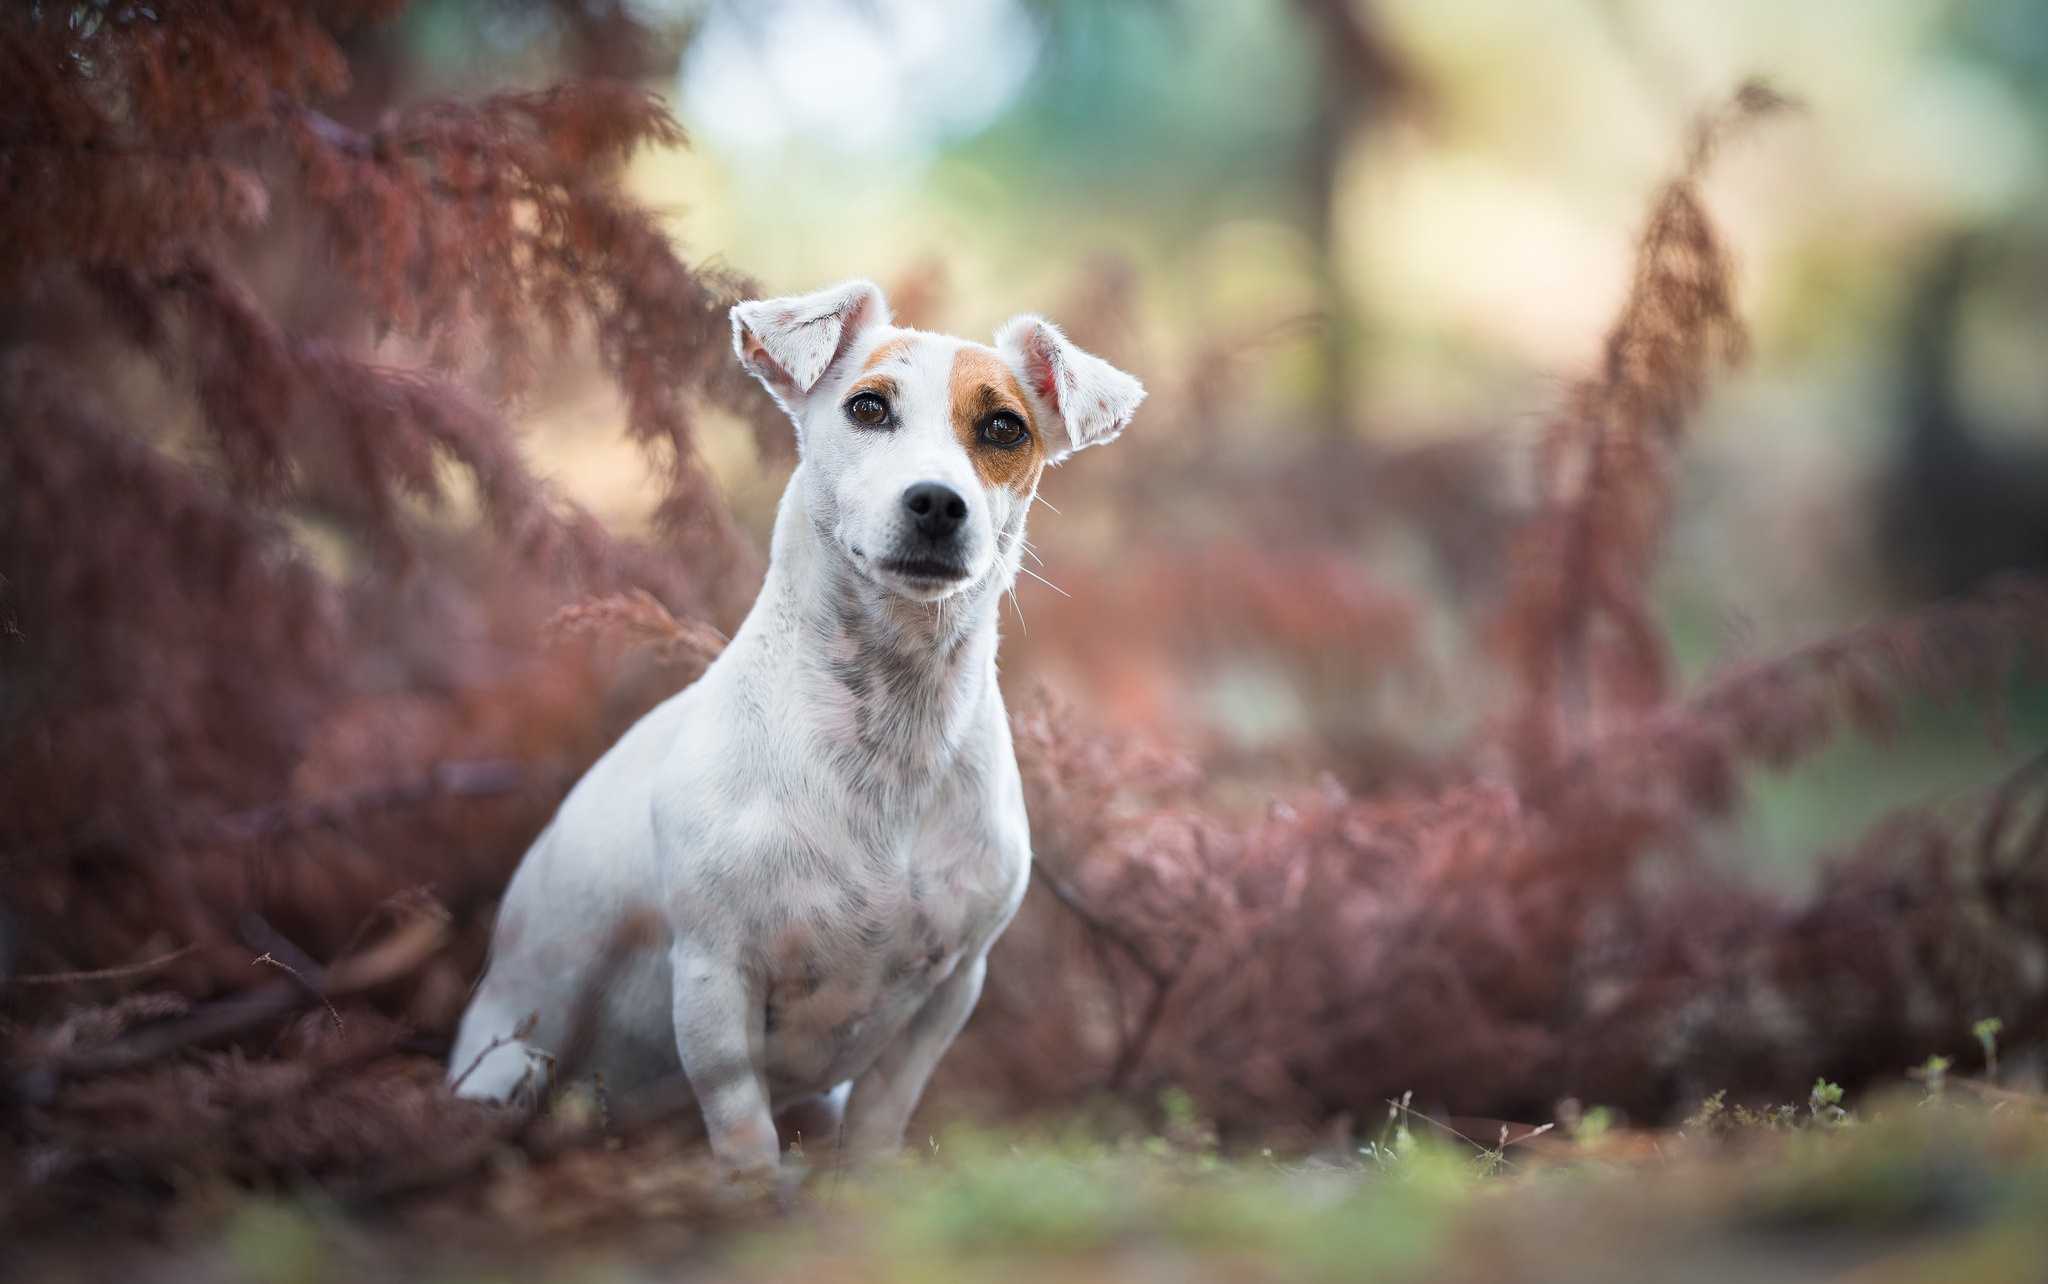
(825,832)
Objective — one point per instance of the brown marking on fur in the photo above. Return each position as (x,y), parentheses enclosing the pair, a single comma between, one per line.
(839,1002)
(881,385)
(791,946)
(980,385)
(793,972)
(887,350)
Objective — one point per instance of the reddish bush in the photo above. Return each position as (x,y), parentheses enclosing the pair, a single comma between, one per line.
(233,316)
(1504,939)
(274,620)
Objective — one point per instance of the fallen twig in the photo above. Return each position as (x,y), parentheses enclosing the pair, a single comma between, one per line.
(102,974)
(519,1032)
(405,948)
(1094,922)
(311,988)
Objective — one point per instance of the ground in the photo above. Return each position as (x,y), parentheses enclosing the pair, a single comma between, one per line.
(1945,1182)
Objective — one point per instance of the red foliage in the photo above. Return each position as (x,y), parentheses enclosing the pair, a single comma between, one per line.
(1495,948)
(233,319)
(243,329)
(1577,630)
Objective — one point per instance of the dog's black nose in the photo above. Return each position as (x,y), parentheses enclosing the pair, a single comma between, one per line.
(937,510)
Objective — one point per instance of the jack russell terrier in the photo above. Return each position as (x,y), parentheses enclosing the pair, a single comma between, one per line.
(829,824)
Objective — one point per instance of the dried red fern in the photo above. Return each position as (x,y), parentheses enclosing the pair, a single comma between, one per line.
(222,748)
(241,328)
(1494,949)
(1495,945)
(1577,630)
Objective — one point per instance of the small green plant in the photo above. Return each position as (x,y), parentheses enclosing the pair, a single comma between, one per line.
(1494,1159)
(1715,1117)
(1987,1032)
(1183,1126)
(1770,1118)
(1708,1117)
(1395,1141)
(1491,1159)
(1824,1103)
(1593,1124)
(1933,1076)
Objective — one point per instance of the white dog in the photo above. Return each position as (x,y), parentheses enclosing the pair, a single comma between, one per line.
(829,824)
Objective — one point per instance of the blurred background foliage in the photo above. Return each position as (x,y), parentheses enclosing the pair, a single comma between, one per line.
(1401,227)
(405,404)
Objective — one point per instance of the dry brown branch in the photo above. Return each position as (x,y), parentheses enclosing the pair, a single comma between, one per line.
(124,973)
(401,950)
(518,1033)
(526,1122)
(1099,926)
(311,988)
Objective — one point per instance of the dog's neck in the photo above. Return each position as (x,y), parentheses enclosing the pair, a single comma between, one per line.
(894,685)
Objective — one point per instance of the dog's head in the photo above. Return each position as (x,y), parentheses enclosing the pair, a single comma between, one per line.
(922,452)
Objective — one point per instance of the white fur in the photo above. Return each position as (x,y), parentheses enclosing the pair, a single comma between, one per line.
(1092,398)
(787,343)
(828,827)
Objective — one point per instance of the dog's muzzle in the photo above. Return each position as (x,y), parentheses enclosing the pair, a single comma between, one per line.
(934,514)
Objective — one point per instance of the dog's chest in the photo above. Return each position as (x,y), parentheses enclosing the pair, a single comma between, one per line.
(843,978)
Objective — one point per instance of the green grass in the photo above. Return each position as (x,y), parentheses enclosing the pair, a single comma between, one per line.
(1946,1182)
(982,1205)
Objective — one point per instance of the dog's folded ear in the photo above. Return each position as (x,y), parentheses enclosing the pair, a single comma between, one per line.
(1090,398)
(789,344)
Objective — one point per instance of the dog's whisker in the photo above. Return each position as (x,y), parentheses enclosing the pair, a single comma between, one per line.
(1022,544)
(1041,499)
(1042,580)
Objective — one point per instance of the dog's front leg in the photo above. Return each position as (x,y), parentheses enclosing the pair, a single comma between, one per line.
(884,1097)
(720,1028)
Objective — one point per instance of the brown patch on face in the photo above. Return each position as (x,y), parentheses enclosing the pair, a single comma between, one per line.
(887,351)
(980,386)
(879,384)
(882,385)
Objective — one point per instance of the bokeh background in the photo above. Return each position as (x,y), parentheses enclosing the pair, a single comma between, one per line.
(1364,247)
(1558,637)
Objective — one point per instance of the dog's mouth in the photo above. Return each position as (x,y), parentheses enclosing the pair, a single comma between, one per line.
(925,570)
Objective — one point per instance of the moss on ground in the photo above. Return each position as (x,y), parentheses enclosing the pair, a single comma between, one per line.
(1936,1185)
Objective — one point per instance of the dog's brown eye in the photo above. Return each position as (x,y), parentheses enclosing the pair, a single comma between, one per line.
(868,410)
(1003,429)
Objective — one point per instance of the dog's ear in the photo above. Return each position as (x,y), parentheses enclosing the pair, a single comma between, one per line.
(788,344)
(1092,399)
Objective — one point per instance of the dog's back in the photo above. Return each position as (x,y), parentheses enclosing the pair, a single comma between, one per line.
(593,866)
